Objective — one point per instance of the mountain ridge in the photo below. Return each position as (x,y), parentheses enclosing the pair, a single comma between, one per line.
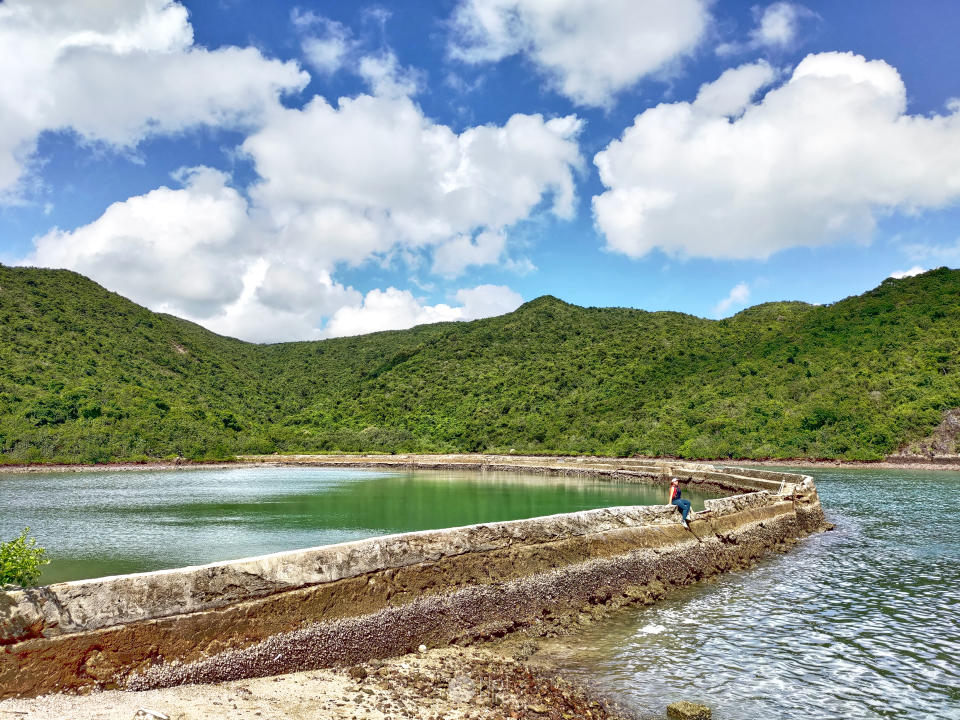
(89,376)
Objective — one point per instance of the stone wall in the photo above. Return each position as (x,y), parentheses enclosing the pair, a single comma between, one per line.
(383,596)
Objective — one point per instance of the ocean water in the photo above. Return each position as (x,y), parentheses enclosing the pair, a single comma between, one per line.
(859,622)
(105,523)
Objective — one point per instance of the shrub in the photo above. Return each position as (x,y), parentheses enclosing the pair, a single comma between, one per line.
(21,561)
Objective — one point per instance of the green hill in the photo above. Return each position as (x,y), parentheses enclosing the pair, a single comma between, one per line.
(88,376)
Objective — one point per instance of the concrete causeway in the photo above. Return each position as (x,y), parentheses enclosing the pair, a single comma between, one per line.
(384,596)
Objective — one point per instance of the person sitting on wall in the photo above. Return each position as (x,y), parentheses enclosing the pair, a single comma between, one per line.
(682,505)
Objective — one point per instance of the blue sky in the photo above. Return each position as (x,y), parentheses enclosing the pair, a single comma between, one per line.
(282,170)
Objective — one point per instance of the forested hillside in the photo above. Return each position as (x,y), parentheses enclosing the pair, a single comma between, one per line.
(88,376)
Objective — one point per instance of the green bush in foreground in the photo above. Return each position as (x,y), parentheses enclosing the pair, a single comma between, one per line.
(21,561)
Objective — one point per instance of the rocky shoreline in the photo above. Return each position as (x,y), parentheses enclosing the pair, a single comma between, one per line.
(442,684)
(893,462)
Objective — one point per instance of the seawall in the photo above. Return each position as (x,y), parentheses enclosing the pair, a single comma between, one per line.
(341,604)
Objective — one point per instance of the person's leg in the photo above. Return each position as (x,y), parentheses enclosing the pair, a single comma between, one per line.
(683,506)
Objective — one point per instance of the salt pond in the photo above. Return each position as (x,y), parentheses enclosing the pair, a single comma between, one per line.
(106,523)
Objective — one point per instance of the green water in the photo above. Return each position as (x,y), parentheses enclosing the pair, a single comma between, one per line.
(96,524)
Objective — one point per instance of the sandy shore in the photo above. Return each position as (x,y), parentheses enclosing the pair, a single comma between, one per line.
(441,684)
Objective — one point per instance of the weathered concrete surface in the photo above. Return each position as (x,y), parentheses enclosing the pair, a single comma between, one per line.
(85,605)
(378,597)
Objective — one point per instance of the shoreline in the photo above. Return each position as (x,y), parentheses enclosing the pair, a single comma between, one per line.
(455,683)
(947,464)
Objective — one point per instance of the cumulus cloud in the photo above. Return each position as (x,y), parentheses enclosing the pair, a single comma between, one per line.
(330,46)
(734,90)
(456,255)
(738,296)
(815,160)
(326,43)
(178,250)
(393,309)
(197,252)
(368,179)
(900,274)
(115,72)
(588,50)
(386,77)
(487,301)
(339,185)
(281,301)
(778,28)
(373,173)
(778,25)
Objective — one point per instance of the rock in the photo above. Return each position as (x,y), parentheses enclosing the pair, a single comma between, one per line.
(684,710)
(462,689)
(147,714)
(357,672)
(525,649)
(422,648)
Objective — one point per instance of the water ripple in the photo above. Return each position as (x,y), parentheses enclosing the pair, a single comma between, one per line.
(862,622)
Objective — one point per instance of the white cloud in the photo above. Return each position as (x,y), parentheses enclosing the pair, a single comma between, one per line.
(813,161)
(289,288)
(330,46)
(737,297)
(487,301)
(374,174)
(368,179)
(900,274)
(282,302)
(934,254)
(393,309)
(778,28)
(196,252)
(733,91)
(456,255)
(174,250)
(385,76)
(116,72)
(327,54)
(588,50)
(778,25)
(339,185)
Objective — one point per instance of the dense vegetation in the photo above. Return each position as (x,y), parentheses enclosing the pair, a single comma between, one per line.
(88,376)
